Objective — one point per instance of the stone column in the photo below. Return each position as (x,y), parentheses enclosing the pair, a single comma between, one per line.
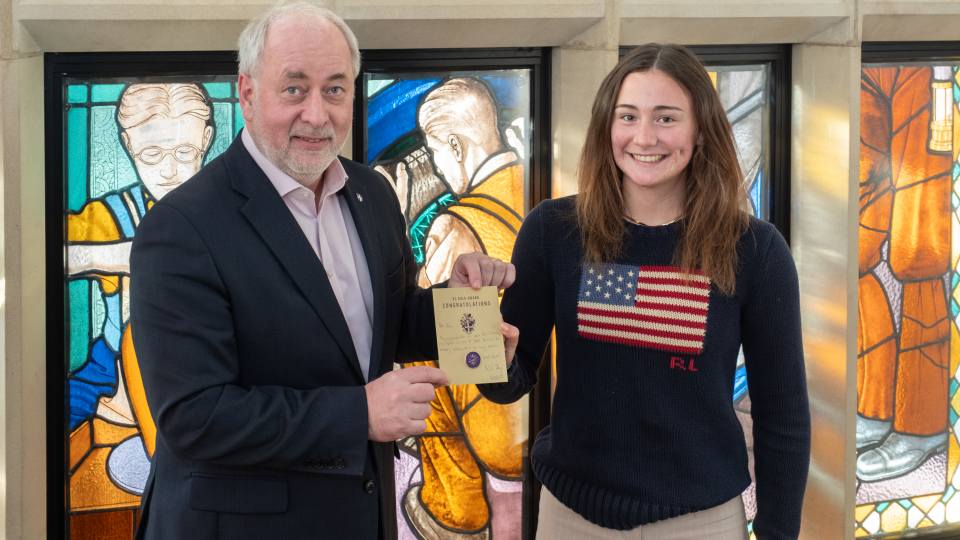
(22,288)
(824,213)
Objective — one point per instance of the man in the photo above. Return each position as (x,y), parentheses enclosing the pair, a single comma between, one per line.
(272,295)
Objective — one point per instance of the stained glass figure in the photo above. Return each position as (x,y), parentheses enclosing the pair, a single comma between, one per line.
(455,146)
(127,145)
(907,380)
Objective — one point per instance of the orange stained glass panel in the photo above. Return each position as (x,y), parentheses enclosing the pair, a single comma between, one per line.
(876,351)
(922,379)
(109,525)
(105,433)
(81,440)
(438,453)
(921,390)
(875,212)
(920,230)
(91,489)
(910,120)
(924,314)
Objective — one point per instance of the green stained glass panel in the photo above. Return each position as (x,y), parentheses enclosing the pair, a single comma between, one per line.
(78,292)
(76,158)
(237,119)
(219,90)
(223,119)
(375,85)
(110,167)
(107,92)
(77,93)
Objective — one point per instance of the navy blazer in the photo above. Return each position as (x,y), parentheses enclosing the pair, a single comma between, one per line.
(248,364)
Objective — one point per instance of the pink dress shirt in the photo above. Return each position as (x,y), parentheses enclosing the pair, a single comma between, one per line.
(328,225)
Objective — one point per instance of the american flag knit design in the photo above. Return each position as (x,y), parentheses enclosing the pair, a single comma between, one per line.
(658,307)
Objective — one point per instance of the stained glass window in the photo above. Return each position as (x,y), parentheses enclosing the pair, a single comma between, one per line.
(744,93)
(909,300)
(456,146)
(126,145)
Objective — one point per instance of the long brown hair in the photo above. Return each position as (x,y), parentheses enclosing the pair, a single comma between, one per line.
(713,215)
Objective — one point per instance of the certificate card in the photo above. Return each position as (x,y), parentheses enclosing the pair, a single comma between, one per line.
(468,335)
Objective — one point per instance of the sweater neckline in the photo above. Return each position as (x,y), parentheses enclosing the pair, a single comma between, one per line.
(639,229)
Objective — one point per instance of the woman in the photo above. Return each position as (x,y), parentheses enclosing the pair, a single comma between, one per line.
(653,277)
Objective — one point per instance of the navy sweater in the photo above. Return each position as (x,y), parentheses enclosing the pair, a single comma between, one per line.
(643,426)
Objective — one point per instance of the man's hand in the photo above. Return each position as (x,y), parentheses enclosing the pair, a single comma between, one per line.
(399,402)
(477,270)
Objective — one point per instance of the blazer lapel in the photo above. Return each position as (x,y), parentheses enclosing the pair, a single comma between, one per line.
(272,220)
(363,217)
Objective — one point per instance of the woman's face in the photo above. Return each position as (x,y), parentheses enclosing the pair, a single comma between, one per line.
(653,132)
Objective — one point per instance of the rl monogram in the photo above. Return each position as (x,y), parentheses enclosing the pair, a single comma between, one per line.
(683,364)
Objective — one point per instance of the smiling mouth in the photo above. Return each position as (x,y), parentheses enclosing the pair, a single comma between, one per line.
(647,159)
(311,140)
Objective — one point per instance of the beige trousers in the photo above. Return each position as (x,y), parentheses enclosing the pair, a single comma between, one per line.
(724,522)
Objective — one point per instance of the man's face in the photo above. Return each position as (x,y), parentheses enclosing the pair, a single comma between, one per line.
(167,151)
(298,105)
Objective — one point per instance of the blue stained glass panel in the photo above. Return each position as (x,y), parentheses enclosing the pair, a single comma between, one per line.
(393,112)
(756,191)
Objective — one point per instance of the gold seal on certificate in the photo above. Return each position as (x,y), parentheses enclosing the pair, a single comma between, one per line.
(468,335)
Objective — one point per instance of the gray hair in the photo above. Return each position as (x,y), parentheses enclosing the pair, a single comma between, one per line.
(251,41)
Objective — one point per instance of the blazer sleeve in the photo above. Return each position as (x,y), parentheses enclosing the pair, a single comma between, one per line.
(418,331)
(187,348)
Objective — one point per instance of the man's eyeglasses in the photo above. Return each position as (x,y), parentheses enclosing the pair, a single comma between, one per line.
(185,153)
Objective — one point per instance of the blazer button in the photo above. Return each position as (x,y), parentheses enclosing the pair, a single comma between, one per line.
(369,486)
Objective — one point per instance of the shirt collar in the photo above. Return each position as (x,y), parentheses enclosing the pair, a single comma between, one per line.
(334,177)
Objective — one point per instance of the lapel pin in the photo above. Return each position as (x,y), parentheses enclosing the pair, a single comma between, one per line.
(359,197)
